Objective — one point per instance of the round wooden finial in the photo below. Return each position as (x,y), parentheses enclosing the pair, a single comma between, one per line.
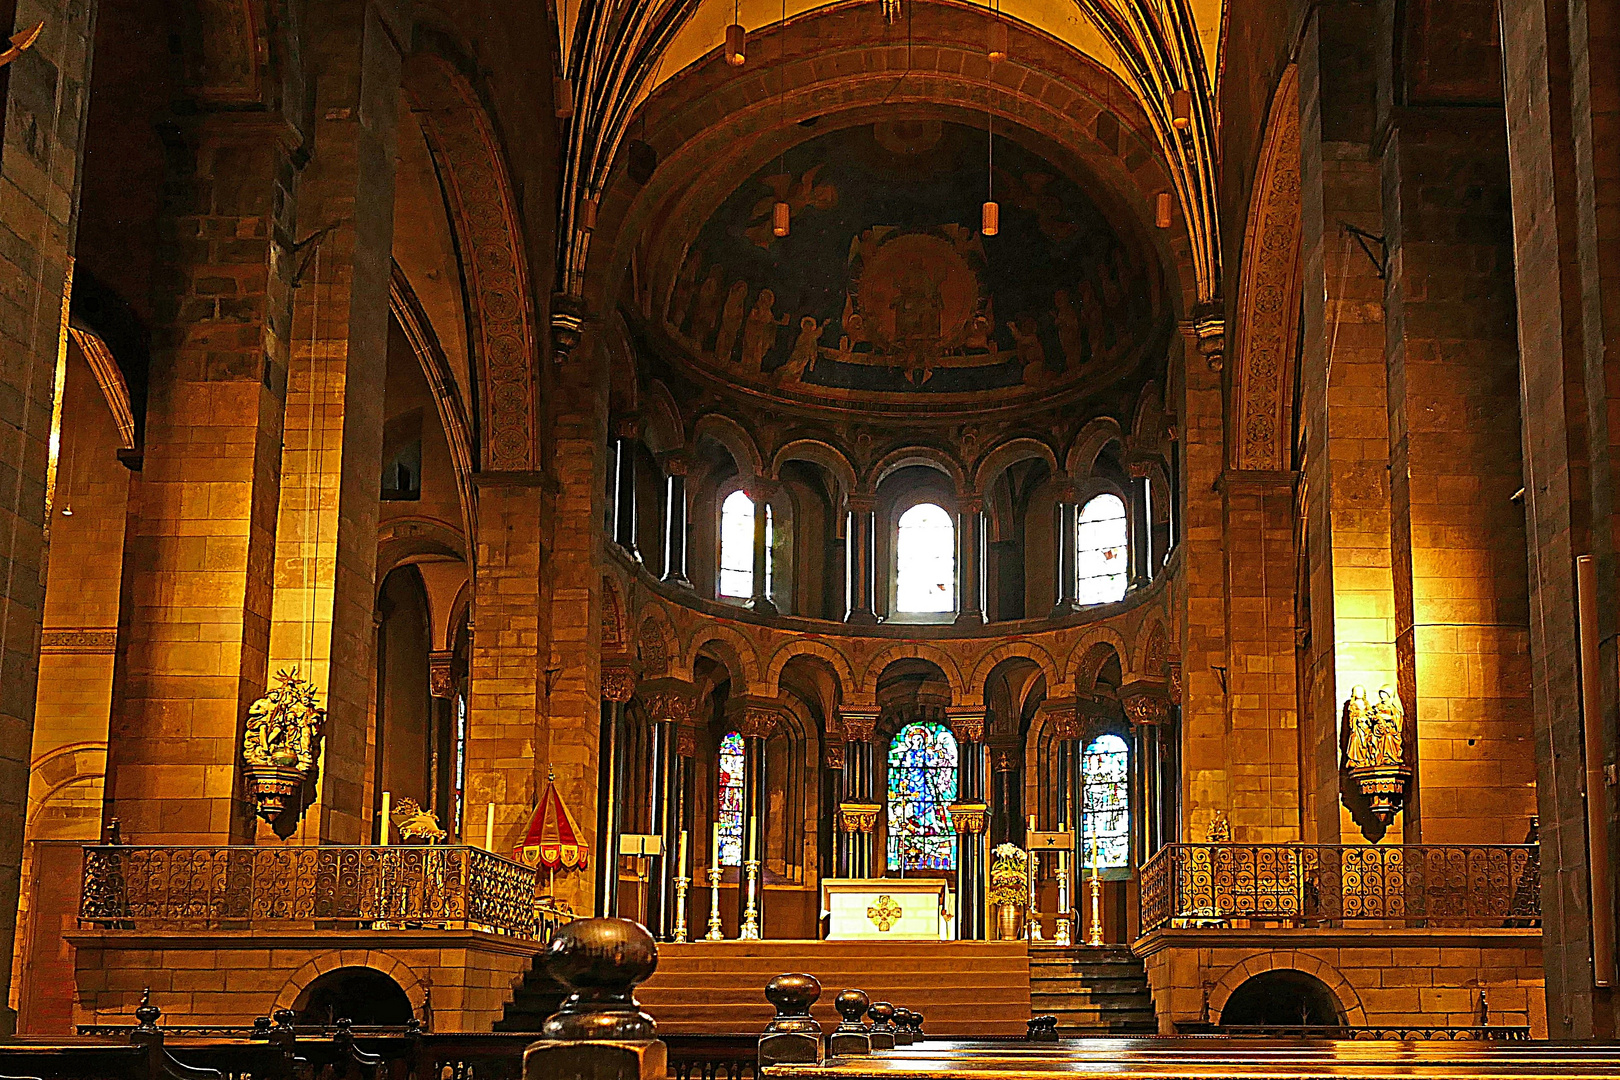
(852,1005)
(792,995)
(601,961)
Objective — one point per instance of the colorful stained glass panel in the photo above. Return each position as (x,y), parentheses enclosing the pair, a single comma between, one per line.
(731,800)
(922,786)
(1106,795)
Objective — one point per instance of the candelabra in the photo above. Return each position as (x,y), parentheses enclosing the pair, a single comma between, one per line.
(681,884)
(715,933)
(750,923)
(1060,934)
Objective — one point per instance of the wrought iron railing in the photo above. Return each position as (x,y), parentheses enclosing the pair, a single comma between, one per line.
(238,888)
(1433,885)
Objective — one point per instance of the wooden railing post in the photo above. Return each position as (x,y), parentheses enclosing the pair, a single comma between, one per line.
(851,1038)
(793,1037)
(600,1033)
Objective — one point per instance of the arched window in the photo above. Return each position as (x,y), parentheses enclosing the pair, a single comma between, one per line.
(925,556)
(737,545)
(730,800)
(922,786)
(1101,560)
(1105,803)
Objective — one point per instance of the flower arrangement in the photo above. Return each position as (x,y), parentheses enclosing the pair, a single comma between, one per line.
(1009,875)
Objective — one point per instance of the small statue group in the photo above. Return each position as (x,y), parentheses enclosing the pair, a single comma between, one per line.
(284,726)
(1377,736)
(415,823)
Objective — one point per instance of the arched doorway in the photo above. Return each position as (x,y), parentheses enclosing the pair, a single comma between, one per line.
(364,996)
(1282,998)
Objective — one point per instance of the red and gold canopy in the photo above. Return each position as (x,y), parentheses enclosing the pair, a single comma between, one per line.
(553,838)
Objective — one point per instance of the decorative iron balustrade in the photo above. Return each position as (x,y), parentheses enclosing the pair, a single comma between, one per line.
(128,887)
(1429,885)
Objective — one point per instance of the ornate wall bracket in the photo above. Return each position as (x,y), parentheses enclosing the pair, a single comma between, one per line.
(281,744)
(1384,787)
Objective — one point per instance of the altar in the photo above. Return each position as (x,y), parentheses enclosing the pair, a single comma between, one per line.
(887,909)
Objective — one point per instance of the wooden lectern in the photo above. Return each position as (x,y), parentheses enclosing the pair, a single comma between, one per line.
(885,909)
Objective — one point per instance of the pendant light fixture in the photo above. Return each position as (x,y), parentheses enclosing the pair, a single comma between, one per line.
(736,38)
(997,45)
(562,88)
(781,213)
(990,213)
(1181,109)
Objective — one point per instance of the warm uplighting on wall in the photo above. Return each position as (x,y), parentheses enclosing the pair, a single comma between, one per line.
(736,45)
(990,218)
(780,219)
(1163,210)
(1181,109)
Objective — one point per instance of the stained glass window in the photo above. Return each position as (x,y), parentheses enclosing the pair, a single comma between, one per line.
(1101,559)
(1106,802)
(925,554)
(922,786)
(737,545)
(731,800)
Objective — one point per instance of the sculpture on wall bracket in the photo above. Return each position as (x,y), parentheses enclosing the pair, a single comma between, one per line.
(281,743)
(1375,750)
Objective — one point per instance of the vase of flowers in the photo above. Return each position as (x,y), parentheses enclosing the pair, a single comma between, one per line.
(1009,890)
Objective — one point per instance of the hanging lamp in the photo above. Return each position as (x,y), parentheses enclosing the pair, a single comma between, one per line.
(736,37)
(990,212)
(1181,109)
(781,213)
(997,46)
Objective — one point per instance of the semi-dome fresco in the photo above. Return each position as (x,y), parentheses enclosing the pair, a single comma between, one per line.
(885,289)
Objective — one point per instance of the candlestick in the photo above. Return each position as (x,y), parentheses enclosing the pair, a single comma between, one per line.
(1096,936)
(715,932)
(489,827)
(753,838)
(681,884)
(387,804)
(714,846)
(750,923)
(680,868)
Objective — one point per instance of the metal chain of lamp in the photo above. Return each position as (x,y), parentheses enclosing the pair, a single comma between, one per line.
(990,213)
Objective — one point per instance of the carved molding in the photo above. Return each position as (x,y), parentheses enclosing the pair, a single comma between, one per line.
(1268,292)
(441,680)
(618,683)
(80,640)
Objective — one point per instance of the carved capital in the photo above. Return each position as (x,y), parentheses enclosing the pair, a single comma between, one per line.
(969,817)
(862,503)
(858,723)
(441,679)
(832,755)
(857,817)
(971,505)
(966,724)
(754,717)
(666,700)
(1174,668)
(1004,759)
(618,683)
(1062,716)
(1146,702)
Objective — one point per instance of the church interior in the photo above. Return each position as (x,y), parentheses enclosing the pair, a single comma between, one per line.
(1076,519)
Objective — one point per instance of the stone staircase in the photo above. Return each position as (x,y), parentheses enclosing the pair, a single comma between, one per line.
(1092,991)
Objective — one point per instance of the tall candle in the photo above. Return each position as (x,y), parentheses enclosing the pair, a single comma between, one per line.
(387,804)
(714,846)
(682,871)
(753,839)
(489,827)
(1031,823)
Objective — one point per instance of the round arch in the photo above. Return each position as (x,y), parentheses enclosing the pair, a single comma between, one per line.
(336,959)
(808,647)
(912,650)
(735,438)
(928,456)
(1008,454)
(1091,652)
(1351,1011)
(1008,650)
(732,648)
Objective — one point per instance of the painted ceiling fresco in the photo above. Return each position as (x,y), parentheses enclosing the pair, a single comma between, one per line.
(885,289)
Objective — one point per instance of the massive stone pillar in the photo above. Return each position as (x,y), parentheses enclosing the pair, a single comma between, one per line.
(1342,400)
(1461,604)
(970,562)
(1562,65)
(43,118)
(970,818)
(862,560)
(326,528)
(201,533)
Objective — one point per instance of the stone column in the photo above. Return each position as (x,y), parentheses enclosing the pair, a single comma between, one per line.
(326,527)
(833,760)
(675,512)
(970,562)
(1141,526)
(1068,518)
(1007,819)
(623,452)
(669,709)
(442,687)
(1147,707)
(760,492)
(969,816)
(42,125)
(862,560)
(1562,66)
(618,686)
(202,524)
(857,815)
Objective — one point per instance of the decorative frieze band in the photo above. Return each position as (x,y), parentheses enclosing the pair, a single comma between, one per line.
(79,640)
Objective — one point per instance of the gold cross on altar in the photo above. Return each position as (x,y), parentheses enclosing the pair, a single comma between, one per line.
(885,913)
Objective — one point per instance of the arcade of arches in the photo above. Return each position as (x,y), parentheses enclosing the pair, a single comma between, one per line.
(1174,436)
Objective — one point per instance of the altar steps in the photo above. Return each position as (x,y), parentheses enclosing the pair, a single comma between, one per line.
(963,988)
(1091,990)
